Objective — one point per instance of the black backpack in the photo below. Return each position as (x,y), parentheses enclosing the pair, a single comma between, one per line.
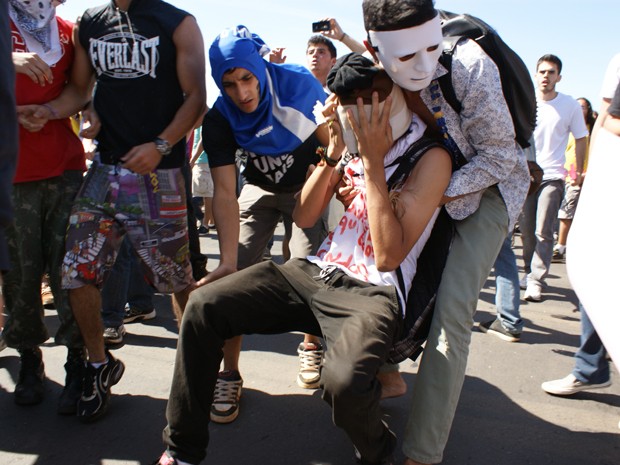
(430,265)
(516,81)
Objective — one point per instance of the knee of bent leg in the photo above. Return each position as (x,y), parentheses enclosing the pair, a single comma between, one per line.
(341,377)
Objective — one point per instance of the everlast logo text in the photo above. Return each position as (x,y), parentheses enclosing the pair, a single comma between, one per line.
(124,59)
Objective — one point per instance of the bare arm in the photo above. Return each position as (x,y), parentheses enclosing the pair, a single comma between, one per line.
(226,215)
(197,151)
(396,227)
(191,73)
(336,33)
(319,188)
(580,156)
(75,95)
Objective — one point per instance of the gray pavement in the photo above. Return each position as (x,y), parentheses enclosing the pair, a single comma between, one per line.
(503,418)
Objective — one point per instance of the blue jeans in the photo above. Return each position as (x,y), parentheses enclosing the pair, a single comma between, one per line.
(507,291)
(591,366)
(125,283)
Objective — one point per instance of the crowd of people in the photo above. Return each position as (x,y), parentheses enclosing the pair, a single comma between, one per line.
(280,143)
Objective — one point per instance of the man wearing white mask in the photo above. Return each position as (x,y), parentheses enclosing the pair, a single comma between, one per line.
(49,173)
(484,196)
(348,292)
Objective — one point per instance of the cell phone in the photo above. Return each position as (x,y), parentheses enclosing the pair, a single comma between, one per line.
(321,26)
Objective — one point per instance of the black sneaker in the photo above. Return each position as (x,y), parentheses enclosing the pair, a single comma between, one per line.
(133,314)
(97,384)
(29,389)
(74,367)
(495,328)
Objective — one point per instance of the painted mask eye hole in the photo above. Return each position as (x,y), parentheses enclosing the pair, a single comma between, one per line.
(430,49)
(406,57)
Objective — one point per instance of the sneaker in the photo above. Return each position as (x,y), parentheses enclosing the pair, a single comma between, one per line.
(97,383)
(523,283)
(29,389)
(74,367)
(114,335)
(533,292)
(226,397)
(495,328)
(203,229)
(47,298)
(310,359)
(570,385)
(558,256)
(134,314)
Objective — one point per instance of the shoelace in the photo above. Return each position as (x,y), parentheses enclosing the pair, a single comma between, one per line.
(310,360)
(89,381)
(227,392)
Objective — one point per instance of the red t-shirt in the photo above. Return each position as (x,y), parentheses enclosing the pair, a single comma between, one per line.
(56,148)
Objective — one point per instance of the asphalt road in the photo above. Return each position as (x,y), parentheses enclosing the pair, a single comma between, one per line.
(503,418)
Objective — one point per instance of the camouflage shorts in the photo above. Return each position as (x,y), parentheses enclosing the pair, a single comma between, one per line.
(36,245)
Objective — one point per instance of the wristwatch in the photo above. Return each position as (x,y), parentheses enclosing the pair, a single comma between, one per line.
(162,146)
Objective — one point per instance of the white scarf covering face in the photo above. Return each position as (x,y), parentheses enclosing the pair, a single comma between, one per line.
(36,22)
(400,118)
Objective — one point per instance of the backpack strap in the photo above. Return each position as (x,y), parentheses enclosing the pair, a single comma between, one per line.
(445,82)
(406,163)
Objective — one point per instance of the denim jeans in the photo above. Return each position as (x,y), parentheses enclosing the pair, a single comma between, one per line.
(540,214)
(125,284)
(591,365)
(507,293)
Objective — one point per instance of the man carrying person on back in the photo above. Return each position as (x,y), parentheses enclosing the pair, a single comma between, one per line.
(484,196)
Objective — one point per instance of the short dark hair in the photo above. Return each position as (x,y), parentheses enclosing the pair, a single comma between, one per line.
(319,39)
(392,15)
(551,59)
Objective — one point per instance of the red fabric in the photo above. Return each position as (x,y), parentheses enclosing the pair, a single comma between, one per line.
(56,148)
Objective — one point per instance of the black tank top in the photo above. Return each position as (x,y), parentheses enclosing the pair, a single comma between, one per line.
(137,92)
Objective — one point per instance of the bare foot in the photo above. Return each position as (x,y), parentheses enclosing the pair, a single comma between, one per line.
(392,384)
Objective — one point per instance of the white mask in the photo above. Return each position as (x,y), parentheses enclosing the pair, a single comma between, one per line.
(418,43)
(400,118)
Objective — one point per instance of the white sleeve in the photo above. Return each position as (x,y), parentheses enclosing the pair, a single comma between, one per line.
(612,78)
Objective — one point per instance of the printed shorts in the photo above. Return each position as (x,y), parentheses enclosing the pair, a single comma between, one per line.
(569,202)
(150,209)
(202,183)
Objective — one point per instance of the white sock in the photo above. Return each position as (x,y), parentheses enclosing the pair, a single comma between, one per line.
(97,365)
(560,248)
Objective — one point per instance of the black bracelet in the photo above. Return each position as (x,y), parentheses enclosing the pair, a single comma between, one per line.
(322,152)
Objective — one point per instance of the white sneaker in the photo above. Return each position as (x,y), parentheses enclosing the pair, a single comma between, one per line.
(310,359)
(570,385)
(533,292)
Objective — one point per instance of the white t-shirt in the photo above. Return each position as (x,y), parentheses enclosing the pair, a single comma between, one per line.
(555,120)
(612,78)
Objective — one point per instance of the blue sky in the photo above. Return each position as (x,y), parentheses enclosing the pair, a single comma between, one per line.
(584,34)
